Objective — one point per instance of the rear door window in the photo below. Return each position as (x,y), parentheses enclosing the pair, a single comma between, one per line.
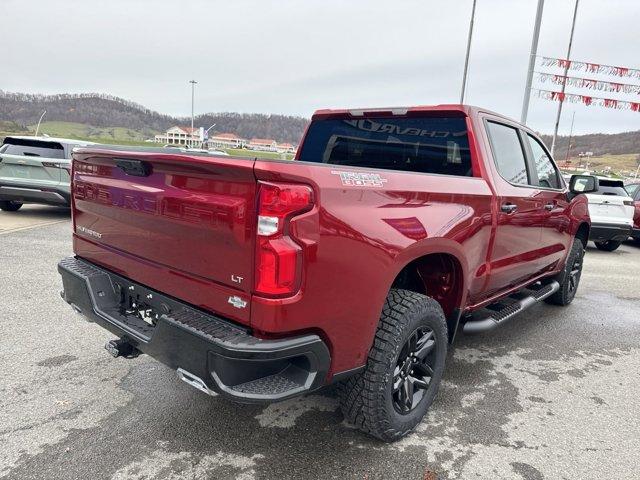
(32,148)
(438,145)
(546,171)
(508,153)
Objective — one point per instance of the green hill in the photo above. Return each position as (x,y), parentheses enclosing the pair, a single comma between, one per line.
(105,111)
(119,135)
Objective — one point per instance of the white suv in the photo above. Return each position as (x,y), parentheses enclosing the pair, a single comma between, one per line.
(611,210)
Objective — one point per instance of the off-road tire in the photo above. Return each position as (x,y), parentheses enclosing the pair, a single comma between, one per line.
(608,246)
(366,399)
(567,291)
(9,205)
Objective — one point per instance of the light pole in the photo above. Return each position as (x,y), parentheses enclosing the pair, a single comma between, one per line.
(532,62)
(40,120)
(466,58)
(564,79)
(573,117)
(193,88)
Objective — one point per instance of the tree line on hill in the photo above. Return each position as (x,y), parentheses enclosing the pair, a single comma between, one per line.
(101,110)
(598,143)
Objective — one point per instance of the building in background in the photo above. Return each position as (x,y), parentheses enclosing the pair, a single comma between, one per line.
(182,136)
(286,148)
(264,144)
(226,140)
(197,138)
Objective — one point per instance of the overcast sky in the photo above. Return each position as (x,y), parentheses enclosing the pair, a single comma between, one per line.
(295,56)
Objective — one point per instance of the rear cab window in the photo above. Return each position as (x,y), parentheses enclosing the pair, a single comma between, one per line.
(424,144)
(32,148)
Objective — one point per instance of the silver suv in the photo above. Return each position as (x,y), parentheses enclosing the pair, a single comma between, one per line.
(35,170)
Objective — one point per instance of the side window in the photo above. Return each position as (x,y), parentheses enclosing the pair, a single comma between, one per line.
(632,189)
(508,153)
(547,173)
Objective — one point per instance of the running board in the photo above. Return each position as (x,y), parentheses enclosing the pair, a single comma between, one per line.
(504,310)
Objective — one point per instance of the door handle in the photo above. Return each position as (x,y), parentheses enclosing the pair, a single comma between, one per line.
(550,206)
(508,207)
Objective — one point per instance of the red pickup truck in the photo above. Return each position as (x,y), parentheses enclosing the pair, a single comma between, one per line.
(357,263)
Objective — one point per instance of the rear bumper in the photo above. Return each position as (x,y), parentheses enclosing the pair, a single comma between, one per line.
(602,232)
(208,352)
(635,233)
(33,194)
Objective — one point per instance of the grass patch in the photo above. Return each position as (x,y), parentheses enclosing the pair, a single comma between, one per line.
(627,162)
(241,152)
(120,135)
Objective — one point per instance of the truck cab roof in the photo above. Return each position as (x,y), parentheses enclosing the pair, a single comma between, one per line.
(468,110)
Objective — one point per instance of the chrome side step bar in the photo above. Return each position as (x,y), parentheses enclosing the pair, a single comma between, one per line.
(194,381)
(487,319)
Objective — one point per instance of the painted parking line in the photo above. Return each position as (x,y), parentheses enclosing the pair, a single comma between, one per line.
(4,231)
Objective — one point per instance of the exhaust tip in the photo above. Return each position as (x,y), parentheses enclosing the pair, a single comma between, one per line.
(194,381)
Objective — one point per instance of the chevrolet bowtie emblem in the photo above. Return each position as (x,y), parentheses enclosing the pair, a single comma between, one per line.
(237,302)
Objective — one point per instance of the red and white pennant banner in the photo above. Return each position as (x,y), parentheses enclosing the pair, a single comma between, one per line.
(591,67)
(589,83)
(588,100)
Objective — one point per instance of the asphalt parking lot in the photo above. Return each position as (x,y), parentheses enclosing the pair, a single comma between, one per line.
(555,394)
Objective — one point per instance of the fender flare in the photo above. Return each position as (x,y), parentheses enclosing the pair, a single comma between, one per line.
(435,246)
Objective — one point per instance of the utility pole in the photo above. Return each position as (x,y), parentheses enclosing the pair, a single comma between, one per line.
(564,80)
(532,62)
(40,120)
(573,117)
(193,87)
(466,59)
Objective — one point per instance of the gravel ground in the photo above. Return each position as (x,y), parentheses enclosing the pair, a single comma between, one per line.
(554,394)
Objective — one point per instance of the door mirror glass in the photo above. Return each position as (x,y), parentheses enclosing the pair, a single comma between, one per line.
(583,184)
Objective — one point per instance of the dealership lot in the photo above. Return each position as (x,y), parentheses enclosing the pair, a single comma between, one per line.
(554,394)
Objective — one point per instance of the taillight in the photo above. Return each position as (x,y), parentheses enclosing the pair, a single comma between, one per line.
(278,257)
(628,203)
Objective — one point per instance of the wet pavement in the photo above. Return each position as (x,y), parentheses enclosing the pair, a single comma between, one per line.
(555,394)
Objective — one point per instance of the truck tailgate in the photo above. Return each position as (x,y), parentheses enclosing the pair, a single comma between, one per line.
(179,223)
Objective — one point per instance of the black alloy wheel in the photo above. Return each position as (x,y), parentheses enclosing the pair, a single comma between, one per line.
(575,272)
(414,369)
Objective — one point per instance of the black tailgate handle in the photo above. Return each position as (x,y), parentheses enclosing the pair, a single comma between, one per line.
(137,168)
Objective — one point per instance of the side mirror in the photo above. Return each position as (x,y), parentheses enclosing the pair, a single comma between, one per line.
(583,184)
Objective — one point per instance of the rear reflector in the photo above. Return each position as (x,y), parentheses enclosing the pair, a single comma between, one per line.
(277,266)
(278,257)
